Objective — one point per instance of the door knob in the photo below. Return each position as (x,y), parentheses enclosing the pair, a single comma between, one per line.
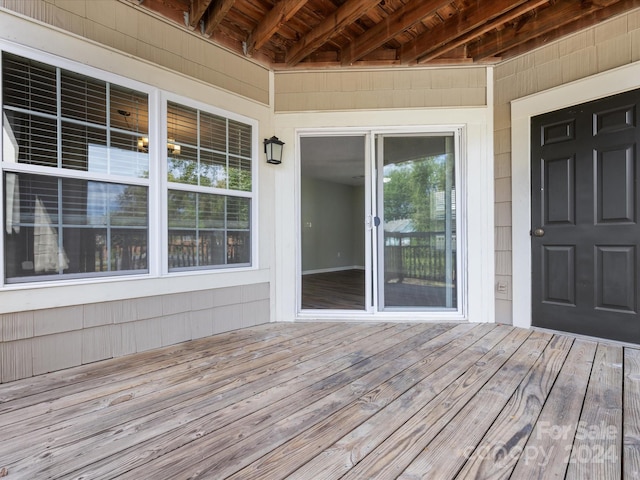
(538,232)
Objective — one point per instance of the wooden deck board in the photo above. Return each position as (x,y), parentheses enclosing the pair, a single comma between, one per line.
(447,454)
(335,400)
(631,414)
(495,456)
(201,413)
(547,449)
(597,450)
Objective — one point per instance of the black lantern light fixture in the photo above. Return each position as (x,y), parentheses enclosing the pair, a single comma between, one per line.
(273,150)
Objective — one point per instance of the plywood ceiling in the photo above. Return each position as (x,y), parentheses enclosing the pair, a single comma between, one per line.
(291,34)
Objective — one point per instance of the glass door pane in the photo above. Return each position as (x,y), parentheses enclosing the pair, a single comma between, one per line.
(417,232)
(333,209)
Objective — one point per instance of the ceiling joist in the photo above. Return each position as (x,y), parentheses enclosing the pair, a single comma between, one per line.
(293,34)
(280,14)
(348,13)
(397,22)
(447,36)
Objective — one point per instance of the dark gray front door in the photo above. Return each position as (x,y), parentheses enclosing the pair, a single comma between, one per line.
(585,235)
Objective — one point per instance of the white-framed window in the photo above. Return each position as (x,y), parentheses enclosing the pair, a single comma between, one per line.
(209,195)
(82,181)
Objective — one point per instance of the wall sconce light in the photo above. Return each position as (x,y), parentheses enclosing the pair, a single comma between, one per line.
(172,148)
(273,150)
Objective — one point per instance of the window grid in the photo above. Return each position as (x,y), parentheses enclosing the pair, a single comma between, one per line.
(93,126)
(54,245)
(194,171)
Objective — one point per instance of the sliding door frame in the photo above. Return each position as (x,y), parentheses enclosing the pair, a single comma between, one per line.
(372,309)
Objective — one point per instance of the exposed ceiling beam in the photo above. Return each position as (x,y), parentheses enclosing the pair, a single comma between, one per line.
(390,26)
(216,14)
(196,12)
(573,26)
(546,20)
(334,23)
(450,35)
(272,21)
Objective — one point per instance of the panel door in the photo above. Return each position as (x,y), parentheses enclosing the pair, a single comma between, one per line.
(585,233)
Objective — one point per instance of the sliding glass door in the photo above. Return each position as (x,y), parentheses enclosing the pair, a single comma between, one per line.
(378,226)
(416,222)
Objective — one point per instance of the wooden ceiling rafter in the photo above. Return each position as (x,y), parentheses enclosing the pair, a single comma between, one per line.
(394,24)
(281,13)
(322,34)
(613,8)
(450,36)
(197,10)
(349,12)
(219,9)
(538,26)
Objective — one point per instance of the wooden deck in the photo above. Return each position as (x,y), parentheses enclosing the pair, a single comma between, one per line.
(335,400)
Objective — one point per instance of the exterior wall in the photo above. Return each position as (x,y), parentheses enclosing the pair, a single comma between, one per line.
(406,100)
(375,89)
(611,44)
(40,341)
(46,327)
(475,200)
(122,26)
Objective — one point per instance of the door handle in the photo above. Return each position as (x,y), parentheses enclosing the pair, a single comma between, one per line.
(538,232)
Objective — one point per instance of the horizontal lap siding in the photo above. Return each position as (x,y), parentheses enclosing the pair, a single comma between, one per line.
(121,26)
(611,44)
(41,341)
(378,89)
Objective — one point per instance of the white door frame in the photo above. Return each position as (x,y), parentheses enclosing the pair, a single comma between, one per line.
(476,149)
(601,85)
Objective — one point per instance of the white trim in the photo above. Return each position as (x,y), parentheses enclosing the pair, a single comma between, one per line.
(478,264)
(601,85)
(157,186)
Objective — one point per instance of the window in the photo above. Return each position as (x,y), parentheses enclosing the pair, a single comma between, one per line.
(79,172)
(75,182)
(209,197)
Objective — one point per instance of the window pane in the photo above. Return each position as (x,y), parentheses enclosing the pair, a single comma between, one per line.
(238,247)
(182,209)
(83,240)
(239,139)
(84,148)
(212,248)
(183,168)
(182,124)
(211,211)
(182,249)
(128,249)
(129,110)
(128,204)
(28,84)
(213,169)
(213,132)
(126,158)
(238,215)
(83,98)
(239,174)
(221,235)
(33,138)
